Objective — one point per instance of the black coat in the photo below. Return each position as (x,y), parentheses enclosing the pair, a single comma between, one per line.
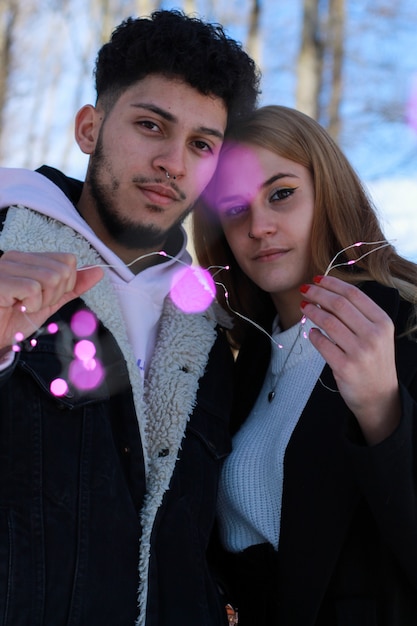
(348,540)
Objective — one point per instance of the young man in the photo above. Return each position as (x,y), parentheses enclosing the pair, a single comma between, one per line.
(114,401)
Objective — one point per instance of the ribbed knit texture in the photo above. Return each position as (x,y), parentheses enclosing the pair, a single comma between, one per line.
(250,493)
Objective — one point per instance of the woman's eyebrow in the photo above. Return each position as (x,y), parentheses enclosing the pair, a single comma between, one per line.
(277,177)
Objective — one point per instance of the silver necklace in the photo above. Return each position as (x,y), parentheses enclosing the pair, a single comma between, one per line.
(275,377)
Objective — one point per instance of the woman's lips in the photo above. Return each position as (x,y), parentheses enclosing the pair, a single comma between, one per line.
(271,254)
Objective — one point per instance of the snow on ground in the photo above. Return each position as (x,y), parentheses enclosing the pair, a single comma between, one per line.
(396,202)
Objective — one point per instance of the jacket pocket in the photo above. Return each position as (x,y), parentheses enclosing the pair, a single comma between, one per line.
(5,565)
(20,594)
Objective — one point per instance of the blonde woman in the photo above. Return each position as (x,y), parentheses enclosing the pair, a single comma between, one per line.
(317,508)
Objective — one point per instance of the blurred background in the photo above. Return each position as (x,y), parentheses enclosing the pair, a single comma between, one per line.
(350,64)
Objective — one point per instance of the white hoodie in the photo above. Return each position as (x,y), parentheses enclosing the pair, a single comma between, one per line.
(165,399)
(140,296)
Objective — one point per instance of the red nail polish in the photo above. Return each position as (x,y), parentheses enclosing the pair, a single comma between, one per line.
(304,288)
(317,279)
(303,303)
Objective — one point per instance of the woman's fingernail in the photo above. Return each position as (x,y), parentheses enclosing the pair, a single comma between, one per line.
(303,303)
(304,288)
(317,279)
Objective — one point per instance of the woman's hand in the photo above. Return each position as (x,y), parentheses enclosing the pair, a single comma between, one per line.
(33,286)
(359,348)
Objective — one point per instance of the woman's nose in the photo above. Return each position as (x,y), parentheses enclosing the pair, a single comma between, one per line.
(261,224)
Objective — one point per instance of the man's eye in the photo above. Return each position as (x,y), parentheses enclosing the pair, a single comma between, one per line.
(148,124)
(203,146)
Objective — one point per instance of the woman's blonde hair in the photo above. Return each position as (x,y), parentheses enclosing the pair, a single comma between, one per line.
(343,215)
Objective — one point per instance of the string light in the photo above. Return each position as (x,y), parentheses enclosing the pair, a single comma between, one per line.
(332,265)
(60,387)
(139,258)
(381,244)
(193,290)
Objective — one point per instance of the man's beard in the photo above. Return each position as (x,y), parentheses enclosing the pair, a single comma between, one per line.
(122,230)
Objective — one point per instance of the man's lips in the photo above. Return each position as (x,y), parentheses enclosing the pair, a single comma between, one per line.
(269,255)
(159,194)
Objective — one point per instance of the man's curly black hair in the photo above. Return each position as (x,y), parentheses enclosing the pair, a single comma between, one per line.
(173,44)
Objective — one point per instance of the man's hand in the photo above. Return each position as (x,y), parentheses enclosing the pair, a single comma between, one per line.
(33,286)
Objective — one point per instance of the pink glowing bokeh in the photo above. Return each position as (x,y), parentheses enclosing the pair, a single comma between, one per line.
(85,350)
(85,371)
(86,374)
(193,289)
(58,387)
(52,328)
(239,174)
(83,323)
(411,106)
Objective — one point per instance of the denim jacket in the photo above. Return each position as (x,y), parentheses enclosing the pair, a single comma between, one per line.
(107,496)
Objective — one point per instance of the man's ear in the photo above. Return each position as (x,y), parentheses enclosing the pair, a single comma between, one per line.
(87,127)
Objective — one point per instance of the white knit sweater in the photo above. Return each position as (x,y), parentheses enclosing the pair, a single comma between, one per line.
(250,494)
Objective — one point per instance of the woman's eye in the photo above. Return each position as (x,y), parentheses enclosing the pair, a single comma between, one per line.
(281,194)
(233,211)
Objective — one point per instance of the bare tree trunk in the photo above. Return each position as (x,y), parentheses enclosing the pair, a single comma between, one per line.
(336,47)
(253,44)
(310,62)
(8,19)
(91,45)
(107,24)
(145,7)
(47,82)
(189,7)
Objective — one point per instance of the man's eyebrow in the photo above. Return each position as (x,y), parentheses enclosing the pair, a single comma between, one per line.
(211,131)
(166,115)
(155,109)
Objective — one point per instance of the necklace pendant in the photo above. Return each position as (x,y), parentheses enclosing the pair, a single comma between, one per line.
(271,396)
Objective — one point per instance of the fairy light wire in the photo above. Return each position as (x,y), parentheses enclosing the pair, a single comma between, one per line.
(332,265)
(219,268)
(381,244)
(17,346)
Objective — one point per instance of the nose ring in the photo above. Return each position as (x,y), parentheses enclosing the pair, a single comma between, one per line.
(168,176)
(250,235)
